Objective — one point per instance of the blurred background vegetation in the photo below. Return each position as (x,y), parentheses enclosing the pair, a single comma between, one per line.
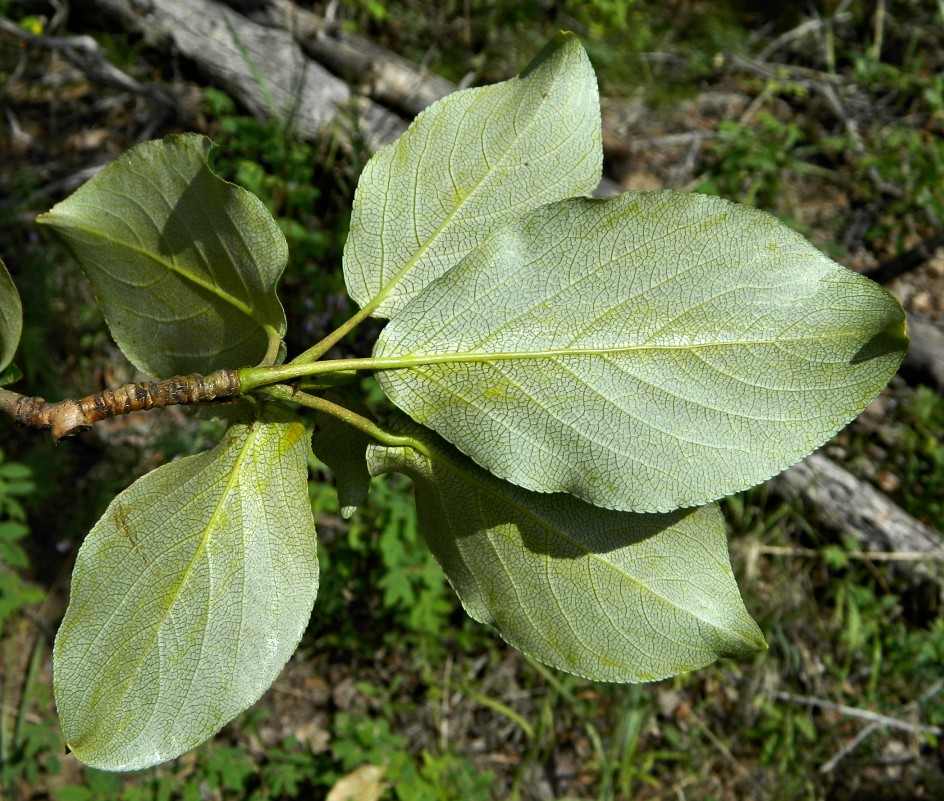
(828,114)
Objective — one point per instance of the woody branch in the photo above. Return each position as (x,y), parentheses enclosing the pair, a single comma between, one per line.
(74,415)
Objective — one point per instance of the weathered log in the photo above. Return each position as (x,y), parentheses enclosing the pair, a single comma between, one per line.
(924,362)
(855,507)
(262,67)
(385,77)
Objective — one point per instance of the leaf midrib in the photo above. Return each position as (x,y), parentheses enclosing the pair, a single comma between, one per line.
(251,311)
(388,288)
(182,581)
(407,361)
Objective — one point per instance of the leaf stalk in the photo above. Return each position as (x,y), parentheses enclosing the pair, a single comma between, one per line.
(351,418)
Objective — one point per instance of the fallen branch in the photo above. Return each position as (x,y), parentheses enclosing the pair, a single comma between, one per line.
(855,507)
(85,53)
(855,712)
(848,748)
(869,556)
(262,68)
(381,75)
(265,70)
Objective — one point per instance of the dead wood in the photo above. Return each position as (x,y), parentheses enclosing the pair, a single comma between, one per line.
(854,507)
(924,362)
(385,77)
(888,271)
(261,67)
(265,69)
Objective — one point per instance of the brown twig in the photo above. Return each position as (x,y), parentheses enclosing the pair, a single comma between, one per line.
(904,262)
(87,55)
(855,712)
(74,415)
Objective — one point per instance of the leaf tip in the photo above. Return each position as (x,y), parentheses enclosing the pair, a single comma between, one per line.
(557,47)
(890,337)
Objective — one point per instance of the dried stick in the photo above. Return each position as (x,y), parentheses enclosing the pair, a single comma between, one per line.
(805,28)
(74,415)
(855,712)
(854,507)
(848,748)
(86,54)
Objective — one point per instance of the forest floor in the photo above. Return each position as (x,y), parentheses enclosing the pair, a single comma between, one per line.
(834,123)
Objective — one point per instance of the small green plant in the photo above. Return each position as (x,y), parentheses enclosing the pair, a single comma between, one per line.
(16,481)
(754,165)
(577,383)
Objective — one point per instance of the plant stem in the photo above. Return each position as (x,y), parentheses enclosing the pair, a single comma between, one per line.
(361,423)
(317,351)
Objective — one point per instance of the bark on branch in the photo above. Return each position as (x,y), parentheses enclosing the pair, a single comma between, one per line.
(855,507)
(262,67)
(74,415)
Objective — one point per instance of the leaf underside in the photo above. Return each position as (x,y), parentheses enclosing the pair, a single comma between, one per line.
(648,352)
(612,596)
(343,448)
(11,318)
(188,597)
(467,166)
(184,264)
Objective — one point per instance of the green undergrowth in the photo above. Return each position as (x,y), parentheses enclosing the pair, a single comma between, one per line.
(434,699)
(488,41)
(308,188)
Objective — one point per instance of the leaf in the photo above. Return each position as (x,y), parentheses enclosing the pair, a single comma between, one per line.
(365,783)
(612,596)
(468,165)
(184,264)
(11,318)
(644,353)
(343,449)
(188,597)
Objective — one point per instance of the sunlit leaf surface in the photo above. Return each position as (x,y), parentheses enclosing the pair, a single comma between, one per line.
(647,352)
(184,263)
(614,596)
(468,165)
(188,597)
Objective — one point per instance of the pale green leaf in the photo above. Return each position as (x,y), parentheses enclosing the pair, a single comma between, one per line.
(343,449)
(613,596)
(188,597)
(646,352)
(467,166)
(11,317)
(184,264)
